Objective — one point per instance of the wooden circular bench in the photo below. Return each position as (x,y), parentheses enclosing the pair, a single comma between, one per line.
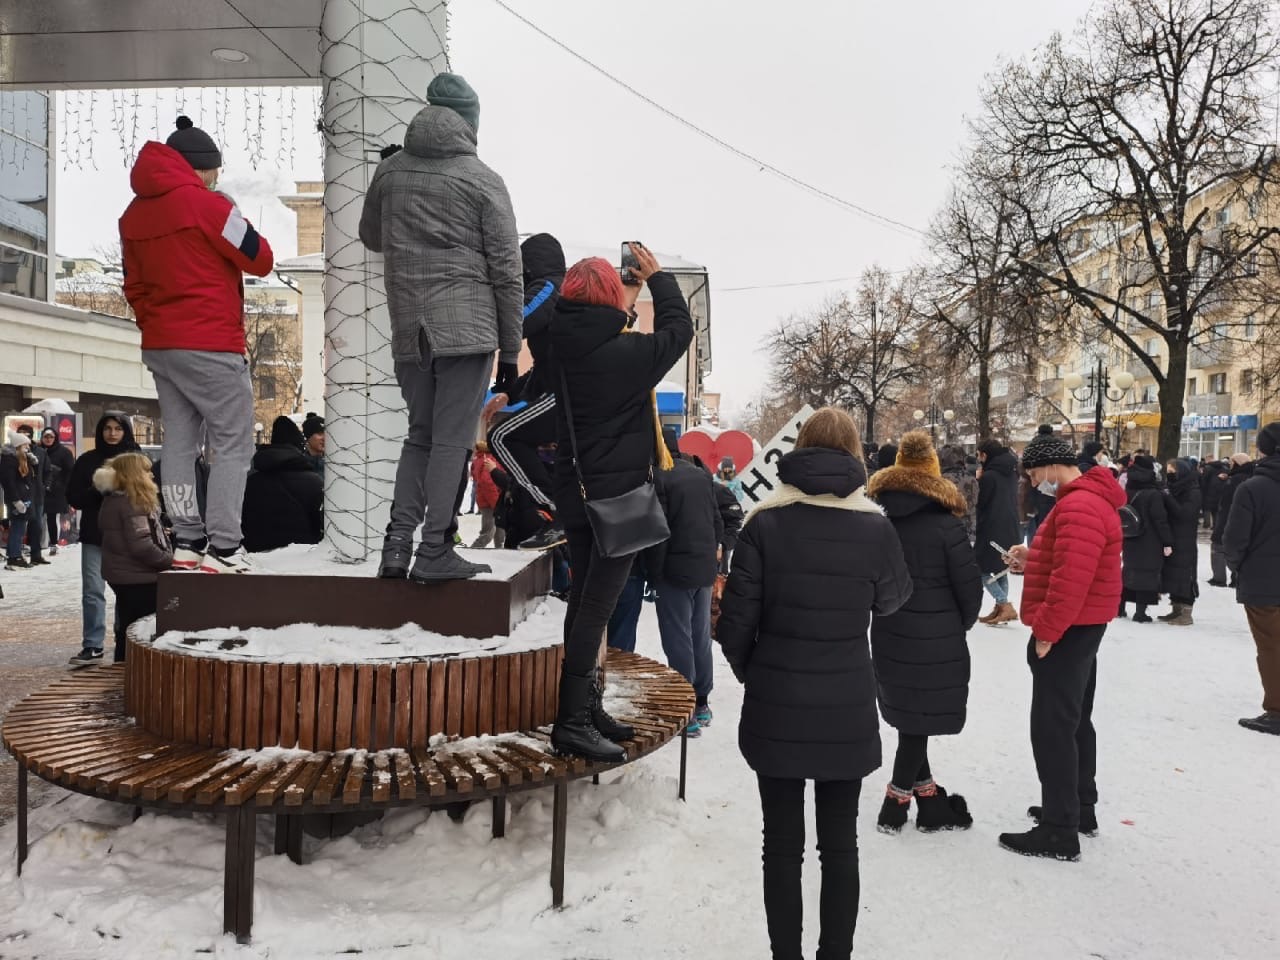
(76,733)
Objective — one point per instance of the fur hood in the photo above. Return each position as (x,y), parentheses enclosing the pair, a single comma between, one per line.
(906,480)
(105,481)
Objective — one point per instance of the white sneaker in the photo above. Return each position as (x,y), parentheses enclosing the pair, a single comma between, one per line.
(186,558)
(236,562)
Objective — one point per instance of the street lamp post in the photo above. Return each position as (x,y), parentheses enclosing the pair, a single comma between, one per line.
(934,414)
(1099,385)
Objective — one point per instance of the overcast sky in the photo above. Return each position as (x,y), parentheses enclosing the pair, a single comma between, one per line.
(866,101)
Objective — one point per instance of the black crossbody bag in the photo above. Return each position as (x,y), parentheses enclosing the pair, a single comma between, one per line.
(624,524)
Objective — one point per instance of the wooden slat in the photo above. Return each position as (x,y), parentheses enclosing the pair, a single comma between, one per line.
(289,705)
(430,773)
(210,792)
(482,771)
(470,696)
(381,777)
(421,705)
(253,706)
(501,694)
(510,773)
(458,777)
(221,701)
(235,706)
(244,788)
(437,701)
(354,782)
(539,691)
(184,791)
(345,709)
(308,681)
(406,786)
(331,779)
(204,709)
(159,695)
(131,785)
(526,686)
(158,786)
(92,773)
(552,695)
(552,766)
(404,704)
(453,698)
(270,704)
(325,706)
(299,791)
(529,772)
(273,787)
(177,704)
(364,706)
(484,699)
(191,701)
(383,707)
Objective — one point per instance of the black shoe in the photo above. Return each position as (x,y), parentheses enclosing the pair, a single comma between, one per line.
(40,562)
(1088,818)
(436,564)
(574,733)
(396,555)
(549,537)
(1042,841)
(1217,583)
(942,812)
(893,815)
(1142,618)
(16,563)
(86,657)
(1268,722)
(1122,614)
(609,728)
(1232,584)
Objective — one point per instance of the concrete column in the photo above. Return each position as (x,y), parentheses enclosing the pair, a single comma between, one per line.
(377,57)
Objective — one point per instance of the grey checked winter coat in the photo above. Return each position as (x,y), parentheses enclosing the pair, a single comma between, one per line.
(444,222)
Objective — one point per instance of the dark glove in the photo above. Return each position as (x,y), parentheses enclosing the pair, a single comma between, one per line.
(508,375)
(390,150)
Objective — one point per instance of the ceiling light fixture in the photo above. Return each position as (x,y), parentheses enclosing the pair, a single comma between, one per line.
(229,55)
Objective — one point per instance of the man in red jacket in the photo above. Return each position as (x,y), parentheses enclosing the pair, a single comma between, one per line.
(1070,592)
(186,248)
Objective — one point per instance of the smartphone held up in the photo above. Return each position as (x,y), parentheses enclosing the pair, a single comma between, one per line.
(629,263)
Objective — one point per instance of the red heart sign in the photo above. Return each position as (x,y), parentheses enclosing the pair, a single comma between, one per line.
(731,443)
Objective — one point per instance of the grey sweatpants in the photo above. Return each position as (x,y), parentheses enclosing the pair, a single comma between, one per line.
(443,397)
(207,398)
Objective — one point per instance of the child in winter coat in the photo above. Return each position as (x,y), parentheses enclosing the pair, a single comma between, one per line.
(134,546)
(487,493)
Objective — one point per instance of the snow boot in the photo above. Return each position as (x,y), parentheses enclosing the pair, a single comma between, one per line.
(991,617)
(1268,722)
(609,728)
(396,555)
(574,733)
(440,562)
(1140,614)
(1056,843)
(1183,616)
(1005,613)
(941,811)
(1088,818)
(894,810)
(1172,614)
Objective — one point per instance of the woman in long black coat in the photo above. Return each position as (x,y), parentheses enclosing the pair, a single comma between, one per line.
(60,463)
(1144,555)
(920,653)
(284,496)
(1179,579)
(997,522)
(812,565)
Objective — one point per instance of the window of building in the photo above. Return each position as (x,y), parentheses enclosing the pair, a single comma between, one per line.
(280,304)
(1153,300)
(1223,217)
(1153,347)
(266,388)
(1250,327)
(1218,383)
(1247,381)
(1192,384)
(24,193)
(266,345)
(1149,394)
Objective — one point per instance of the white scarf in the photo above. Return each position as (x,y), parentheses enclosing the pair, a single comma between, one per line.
(786,495)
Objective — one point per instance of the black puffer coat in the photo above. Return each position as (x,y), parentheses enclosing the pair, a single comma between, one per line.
(610,375)
(1240,472)
(61,461)
(1214,484)
(920,653)
(997,509)
(688,559)
(283,500)
(81,492)
(543,260)
(793,622)
(1183,504)
(1252,538)
(19,487)
(1144,556)
(731,516)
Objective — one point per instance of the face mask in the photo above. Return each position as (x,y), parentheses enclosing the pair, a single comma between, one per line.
(1048,487)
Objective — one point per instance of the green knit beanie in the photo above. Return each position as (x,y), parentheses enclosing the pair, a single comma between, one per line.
(450,90)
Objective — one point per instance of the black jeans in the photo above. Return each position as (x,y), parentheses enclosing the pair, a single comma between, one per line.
(911,765)
(782,802)
(597,584)
(1062,736)
(133,602)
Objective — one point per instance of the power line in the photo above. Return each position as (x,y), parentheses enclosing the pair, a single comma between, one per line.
(777,286)
(817,191)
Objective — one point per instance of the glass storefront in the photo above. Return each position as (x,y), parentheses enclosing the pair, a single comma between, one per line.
(1218,437)
(24,193)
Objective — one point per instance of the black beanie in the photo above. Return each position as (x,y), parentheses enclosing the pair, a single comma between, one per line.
(285,433)
(1045,430)
(1046,450)
(196,146)
(312,424)
(1269,439)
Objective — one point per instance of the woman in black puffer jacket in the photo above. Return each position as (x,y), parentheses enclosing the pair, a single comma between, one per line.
(812,565)
(921,654)
(610,374)
(1144,555)
(1179,577)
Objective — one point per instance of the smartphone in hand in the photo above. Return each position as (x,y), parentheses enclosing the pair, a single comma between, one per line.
(628,263)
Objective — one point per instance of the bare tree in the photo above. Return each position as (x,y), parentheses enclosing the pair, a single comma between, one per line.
(811,356)
(1124,135)
(273,349)
(99,292)
(885,358)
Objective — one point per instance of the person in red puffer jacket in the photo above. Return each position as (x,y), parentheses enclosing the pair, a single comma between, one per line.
(186,248)
(1071,591)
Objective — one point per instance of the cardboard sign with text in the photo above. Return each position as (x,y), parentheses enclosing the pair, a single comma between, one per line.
(760,478)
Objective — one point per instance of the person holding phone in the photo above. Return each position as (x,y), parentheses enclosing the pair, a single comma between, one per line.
(1071,590)
(997,525)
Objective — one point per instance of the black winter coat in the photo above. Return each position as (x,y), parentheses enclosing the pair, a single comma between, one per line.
(688,559)
(16,487)
(1240,472)
(731,516)
(81,492)
(793,622)
(543,261)
(610,375)
(1214,486)
(997,510)
(1144,558)
(283,500)
(1251,540)
(920,653)
(61,461)
(1183,503)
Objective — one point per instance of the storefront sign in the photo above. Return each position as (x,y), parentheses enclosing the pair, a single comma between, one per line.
(1226,421)
(760,478)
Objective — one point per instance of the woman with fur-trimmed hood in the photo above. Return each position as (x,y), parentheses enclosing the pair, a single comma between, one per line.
(920,653)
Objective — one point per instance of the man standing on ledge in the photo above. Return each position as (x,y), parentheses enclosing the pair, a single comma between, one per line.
(443,221)
(1070,592)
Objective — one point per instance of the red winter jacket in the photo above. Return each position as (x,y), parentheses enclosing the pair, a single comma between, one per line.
(186,248)
(1072,575)
(487,492)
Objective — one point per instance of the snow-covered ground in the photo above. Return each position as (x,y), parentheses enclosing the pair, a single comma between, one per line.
(1185,866)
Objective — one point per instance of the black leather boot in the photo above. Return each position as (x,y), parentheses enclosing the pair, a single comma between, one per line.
(575,733)
(610,728)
